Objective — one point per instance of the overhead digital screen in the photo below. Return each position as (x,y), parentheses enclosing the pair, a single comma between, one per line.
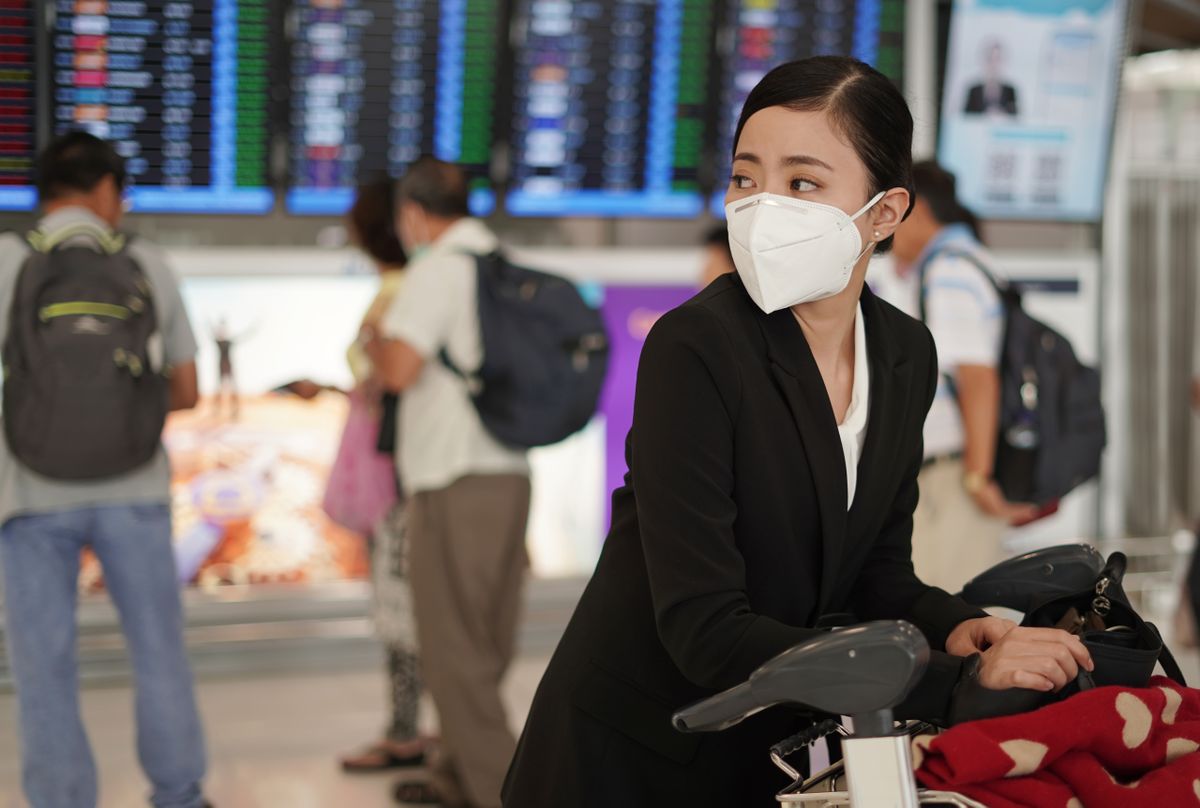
(611,107)
(182,90)
(17,105)
(378,83)
(759,35)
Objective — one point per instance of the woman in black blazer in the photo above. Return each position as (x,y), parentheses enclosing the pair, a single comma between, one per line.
(736,529)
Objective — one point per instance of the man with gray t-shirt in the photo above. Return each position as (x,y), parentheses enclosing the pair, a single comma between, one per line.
(125,519)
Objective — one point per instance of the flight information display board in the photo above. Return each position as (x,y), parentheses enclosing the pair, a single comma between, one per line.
(182,88)
(611,110)
(17,105)
(378,83)
(759,35)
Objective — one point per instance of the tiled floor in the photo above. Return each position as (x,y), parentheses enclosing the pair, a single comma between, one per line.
(273,742)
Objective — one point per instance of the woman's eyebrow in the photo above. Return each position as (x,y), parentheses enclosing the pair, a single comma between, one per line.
(749,157)
(805,160)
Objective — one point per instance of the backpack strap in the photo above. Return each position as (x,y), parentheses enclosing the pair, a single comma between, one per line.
(955,252)
(471,380)
(47,242)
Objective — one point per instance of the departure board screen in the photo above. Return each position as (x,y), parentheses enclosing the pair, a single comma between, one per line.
(611,107)
(182,88)
(17,110)
(378,83)
(759,35)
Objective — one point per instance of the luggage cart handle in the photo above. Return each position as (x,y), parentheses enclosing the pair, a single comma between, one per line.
(862,671)
(1022,582)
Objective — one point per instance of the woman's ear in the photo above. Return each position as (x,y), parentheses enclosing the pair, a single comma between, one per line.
(888,213)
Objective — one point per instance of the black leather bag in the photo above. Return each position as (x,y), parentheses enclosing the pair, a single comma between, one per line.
(1124,647)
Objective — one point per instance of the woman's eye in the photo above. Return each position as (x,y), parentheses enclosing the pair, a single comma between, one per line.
(740,181)
(803,185)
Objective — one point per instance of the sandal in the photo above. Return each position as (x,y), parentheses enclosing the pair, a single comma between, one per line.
(379,758)
(415,793)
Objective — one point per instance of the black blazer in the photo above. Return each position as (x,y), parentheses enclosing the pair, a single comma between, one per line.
(729,539)
(977,101)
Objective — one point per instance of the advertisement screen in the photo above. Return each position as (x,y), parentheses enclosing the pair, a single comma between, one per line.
(1028,108)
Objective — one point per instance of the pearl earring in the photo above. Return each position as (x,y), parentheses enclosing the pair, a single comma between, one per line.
(877,234)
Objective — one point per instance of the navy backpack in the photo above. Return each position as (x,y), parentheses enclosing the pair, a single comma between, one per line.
(545,353)
(1052,432)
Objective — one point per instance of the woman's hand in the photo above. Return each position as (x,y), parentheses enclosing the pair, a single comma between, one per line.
(1010,656)
(978,635)
(1035,659)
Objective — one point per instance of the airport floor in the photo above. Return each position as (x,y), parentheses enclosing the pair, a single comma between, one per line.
(273,741)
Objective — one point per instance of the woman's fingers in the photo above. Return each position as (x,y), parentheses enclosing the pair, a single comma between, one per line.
(1057,636)
(1030,681)
(995,629)
(1040,659)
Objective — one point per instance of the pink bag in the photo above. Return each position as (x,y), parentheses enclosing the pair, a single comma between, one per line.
(362,482)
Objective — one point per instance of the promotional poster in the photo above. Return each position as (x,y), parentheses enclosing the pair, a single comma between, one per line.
(1027,113)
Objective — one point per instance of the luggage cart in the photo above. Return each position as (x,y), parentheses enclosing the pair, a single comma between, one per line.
(864,672)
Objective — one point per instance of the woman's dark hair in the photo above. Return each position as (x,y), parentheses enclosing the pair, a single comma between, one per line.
(863,104)
(939,189)
(77,162)
(372,222)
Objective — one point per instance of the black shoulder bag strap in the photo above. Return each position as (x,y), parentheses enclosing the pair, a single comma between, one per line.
(1167,659)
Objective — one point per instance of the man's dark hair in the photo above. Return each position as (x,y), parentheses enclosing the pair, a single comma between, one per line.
(939,190)
(437,186)
(719,237)
(76,163)
(862,102)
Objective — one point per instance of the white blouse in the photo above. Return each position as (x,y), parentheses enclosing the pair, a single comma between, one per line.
(853,428)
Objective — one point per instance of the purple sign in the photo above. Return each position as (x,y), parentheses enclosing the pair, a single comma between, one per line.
(629,313)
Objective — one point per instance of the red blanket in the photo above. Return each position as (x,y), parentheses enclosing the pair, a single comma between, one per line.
(1112,746)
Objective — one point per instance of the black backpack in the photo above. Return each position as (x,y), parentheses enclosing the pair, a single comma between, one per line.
(545,353)
(1052,432)
(84,393)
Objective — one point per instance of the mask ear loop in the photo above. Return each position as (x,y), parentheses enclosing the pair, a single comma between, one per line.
(874,200)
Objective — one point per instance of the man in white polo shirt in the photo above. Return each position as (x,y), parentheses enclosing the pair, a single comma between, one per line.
(469,495)
(962,517)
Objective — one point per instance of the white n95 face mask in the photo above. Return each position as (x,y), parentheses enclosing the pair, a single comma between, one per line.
(791,251)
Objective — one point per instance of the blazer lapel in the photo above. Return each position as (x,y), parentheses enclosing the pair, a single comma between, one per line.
(796,373)
(889,399)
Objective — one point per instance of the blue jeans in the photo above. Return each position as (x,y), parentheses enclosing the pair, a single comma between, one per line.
(40,558)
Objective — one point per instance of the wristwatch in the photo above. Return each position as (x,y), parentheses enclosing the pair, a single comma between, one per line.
(974,482)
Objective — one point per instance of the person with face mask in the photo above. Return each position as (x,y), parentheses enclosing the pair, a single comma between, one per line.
(937,275)
(468,495)
(773,466)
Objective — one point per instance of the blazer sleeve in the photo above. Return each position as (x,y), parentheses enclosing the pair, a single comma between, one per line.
(681,462)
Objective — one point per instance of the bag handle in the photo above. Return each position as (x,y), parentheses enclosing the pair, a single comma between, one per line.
(1167,659)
